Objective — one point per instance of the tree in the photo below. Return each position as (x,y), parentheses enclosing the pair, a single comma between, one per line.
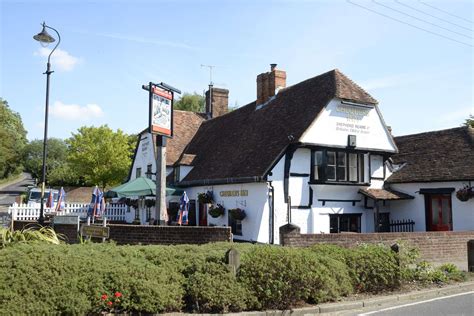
(58,171)
(469,121)
(190,102)
(12,140)
(100,155)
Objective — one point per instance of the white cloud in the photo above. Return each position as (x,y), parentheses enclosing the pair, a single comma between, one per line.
(75,111)
(60,59)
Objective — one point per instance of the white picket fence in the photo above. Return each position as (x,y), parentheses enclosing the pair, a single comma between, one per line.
(25,212)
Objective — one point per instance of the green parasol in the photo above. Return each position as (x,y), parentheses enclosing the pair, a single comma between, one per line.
(139,187)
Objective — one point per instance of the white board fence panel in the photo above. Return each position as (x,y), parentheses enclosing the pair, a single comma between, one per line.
(25,212)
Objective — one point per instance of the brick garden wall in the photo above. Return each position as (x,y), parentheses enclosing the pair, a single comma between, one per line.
(435,247)
(147,235)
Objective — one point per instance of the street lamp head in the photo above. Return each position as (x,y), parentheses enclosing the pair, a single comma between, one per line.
(43,37)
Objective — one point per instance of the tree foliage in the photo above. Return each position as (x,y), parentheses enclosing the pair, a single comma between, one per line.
(469,121)
(100,155)
(190,102)
(12,140)
(55,158)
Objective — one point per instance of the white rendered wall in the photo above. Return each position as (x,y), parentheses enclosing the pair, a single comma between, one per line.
(339,192)
(462,212)
(334,124)
(255,227)
(144,156)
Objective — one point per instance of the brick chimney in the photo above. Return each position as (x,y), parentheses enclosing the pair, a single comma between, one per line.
(220,102)
(268,83)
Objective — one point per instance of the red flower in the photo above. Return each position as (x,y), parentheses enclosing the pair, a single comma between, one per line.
(109,303)
(103,297)
(118,294)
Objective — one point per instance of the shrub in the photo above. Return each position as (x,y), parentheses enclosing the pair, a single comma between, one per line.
(452,272)
(371,268)
(283,277)
(29,235)
(214,289)
(70,279)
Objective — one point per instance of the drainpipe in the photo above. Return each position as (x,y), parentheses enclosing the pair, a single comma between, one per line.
(271,191)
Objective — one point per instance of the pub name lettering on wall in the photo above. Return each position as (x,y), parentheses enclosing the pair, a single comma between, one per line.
(353,117)
(234,193)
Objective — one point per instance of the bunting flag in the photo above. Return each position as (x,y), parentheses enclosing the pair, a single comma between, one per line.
(61,204)
(183,209)
(50,201)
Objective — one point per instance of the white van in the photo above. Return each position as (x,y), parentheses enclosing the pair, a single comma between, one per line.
(34,196)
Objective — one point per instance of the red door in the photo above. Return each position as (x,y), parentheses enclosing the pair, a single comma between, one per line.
(202,214)
(439,212)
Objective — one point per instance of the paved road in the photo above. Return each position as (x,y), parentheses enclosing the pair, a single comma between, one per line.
(461,304)
(8,195)
(10,192)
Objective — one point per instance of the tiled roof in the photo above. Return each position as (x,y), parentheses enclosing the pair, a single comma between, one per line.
(446,155)
(78,194)
(384,194)
(185,125)
(247,141)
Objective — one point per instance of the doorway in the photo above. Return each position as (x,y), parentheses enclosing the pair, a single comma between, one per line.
(438,212)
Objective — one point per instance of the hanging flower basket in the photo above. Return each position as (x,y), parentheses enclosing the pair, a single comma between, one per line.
(150,203)
(216,211)
(465,193)
(237,214)
(205,198)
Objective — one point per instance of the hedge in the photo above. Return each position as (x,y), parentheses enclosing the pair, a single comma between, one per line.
(92,278)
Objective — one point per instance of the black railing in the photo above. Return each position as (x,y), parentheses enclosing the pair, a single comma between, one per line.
(402,226)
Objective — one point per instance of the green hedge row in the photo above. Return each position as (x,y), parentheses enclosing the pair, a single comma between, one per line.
(90,278)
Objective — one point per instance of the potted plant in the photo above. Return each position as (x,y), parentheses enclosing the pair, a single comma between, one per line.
(216,211)
(465,193)
(205,198)
(237,214)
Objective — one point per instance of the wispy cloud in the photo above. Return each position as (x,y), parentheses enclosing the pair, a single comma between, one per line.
(388,81)
(75,111)
(61,59)
(146,40)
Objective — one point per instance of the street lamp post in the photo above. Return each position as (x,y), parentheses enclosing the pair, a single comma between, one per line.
(44,38)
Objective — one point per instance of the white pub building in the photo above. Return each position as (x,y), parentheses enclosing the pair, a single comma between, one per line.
(317,154)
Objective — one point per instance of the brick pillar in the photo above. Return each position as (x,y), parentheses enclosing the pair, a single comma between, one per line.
(288,234)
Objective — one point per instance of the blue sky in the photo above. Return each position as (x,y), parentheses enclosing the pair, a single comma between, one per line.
(415,58)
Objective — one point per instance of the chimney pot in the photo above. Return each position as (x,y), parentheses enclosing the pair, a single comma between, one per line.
(272,67)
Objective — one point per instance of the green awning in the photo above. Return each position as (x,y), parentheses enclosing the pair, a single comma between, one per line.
(139,187)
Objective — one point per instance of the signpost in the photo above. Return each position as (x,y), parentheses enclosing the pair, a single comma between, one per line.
(160,121)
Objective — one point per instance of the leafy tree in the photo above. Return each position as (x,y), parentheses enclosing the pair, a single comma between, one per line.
(55,158)
(12,140)
(100,155)
(190,102)
(469,121)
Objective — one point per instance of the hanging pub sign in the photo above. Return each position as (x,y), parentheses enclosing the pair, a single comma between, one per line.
(161,111)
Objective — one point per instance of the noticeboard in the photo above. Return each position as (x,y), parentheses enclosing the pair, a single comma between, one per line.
(160,112)
(95,231)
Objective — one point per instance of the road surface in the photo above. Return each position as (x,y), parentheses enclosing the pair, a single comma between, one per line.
(9,193)
(460,304)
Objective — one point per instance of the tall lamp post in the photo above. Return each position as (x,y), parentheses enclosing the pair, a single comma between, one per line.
(44,38)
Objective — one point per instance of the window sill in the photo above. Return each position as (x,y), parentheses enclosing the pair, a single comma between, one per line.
(361,184)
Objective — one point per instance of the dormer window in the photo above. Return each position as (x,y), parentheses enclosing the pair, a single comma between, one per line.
(338,166)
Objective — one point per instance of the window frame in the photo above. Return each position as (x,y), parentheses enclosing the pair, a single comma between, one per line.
(323,168)
(358,216)
(138,173)
(235,226)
